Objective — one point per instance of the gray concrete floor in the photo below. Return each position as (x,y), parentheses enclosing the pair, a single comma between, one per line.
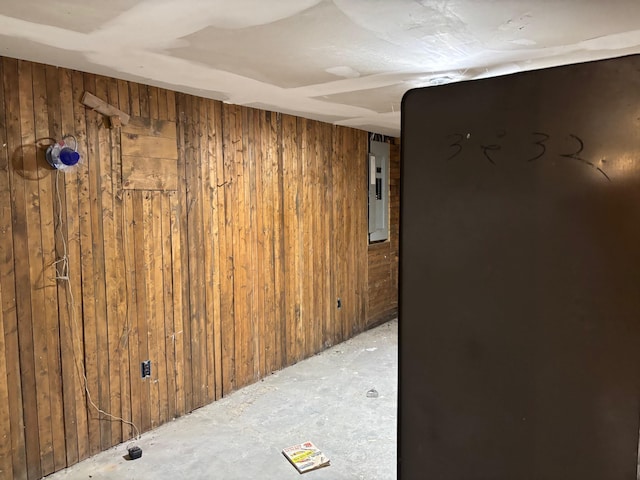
(322,399)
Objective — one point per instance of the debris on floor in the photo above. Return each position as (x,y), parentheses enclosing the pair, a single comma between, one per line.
(306,457)
(135,452)
(373,393)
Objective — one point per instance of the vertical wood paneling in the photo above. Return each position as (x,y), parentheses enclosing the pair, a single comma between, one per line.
(195,234)
(112,240)
(174,257)
(108,366)
(134,99)
(26,250)
(328,286)
(143,98)
(156,299)
(12,449)
(271,224)
(177,335)
(153,102)
(208,245)
(99,175)
(264,266)
(394,221)
(131,289)
(142,315)
(254,342)
(158,356)
(47,117)
(12,225)
(60,113)
(359,167)
(169,359)
(236,149)
(6,463)
(227,306)
(120,91)
(87,197)
(181,259)
(216,202)
(226,173)
(166,356)
(6,467)
(233,275)
(338,260)
(76,186)
(279,242)
(291,178)
(316,211)
(132,391)
(306,216)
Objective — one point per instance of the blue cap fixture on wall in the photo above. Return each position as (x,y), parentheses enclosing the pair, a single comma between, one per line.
(63,154)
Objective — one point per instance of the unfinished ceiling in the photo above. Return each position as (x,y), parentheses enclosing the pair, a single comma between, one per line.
(343,61)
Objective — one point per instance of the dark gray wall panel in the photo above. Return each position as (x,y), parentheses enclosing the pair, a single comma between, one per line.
(520,276)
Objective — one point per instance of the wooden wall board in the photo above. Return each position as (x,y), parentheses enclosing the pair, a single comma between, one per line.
(263,246)
(196,268)
(60,81)
(148,146)
(225,175)
(255,337)
(100,178)
(180,254)
(13,461)
(131,331)
(291,179)
(96,350)
(75,185)
(112,253)
(326,292)
(339,238)
(142,173)
(149,150)
(22,183)
(214,211)
(118,330)
(47,120)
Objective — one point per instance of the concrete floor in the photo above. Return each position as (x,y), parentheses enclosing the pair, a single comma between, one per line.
(322,399)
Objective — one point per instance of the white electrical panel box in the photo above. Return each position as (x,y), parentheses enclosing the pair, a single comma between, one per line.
(378,191)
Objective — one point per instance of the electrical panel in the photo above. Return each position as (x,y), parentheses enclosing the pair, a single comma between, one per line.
(378,191)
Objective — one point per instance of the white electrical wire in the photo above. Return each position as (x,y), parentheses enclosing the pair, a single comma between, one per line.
(62,274)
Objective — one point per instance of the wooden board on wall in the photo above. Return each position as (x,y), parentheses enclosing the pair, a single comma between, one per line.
(150,152)
(25,158)
(12,448)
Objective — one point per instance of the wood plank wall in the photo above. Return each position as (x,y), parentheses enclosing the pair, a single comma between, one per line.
(382,268)
(232,275)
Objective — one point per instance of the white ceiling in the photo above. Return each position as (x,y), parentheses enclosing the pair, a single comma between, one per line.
(343,61)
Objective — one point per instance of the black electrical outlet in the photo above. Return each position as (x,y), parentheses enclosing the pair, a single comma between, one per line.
(146,368)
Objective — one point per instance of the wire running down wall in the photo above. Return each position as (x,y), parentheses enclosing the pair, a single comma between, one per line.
(228,277)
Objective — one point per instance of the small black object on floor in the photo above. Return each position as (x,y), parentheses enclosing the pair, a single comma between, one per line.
(135,452)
